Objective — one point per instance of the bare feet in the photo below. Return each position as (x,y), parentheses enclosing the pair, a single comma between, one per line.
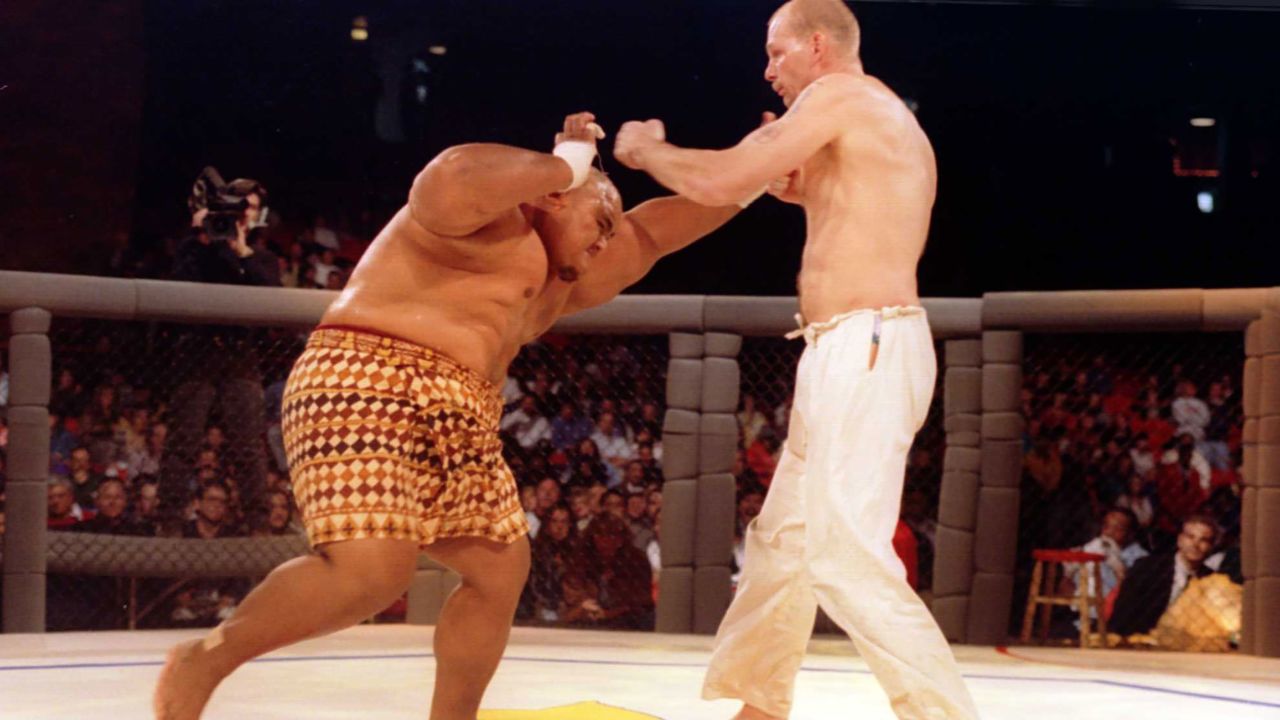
(750,713)
(185,683)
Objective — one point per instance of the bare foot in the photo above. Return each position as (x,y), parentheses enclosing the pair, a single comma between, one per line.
(185,683)
(750,713)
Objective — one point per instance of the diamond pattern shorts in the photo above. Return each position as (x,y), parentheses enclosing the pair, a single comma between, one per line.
(388,439)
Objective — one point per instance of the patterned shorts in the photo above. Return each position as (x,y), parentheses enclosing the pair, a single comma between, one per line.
(388,439)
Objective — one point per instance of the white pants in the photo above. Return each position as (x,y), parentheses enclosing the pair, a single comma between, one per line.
(825,534)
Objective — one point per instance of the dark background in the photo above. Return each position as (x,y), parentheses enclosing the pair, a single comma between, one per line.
(1057,126)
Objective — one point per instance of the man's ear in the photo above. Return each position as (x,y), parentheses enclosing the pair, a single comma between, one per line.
(551,202)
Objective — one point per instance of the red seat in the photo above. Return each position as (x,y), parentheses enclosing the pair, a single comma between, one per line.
(1066,556)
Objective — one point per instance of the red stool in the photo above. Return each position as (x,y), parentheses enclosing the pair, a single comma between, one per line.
(1043,593)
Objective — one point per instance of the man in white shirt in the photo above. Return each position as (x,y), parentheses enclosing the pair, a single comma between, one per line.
(527,425)
(615,449)
(1154,583)
(1190,413)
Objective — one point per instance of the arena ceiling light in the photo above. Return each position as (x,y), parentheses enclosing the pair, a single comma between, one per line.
(437,50)
(360,28)
(1203,122)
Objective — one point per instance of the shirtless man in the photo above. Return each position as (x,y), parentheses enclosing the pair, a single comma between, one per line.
(851,153)
(391,413)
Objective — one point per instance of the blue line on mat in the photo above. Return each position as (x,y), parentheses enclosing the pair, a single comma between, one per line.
(851,671)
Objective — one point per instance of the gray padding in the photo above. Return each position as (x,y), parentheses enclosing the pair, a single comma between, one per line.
(995,540)
(964,422)
(1249,465)
(637,314)
(28,457)
(1002,426)
(990,602)
(1252,386)
(958,500)
(964,439)
(712,591)
(1248,619)
(1267,613)
(1268,468)
(24,599)
(962,391)
(1250,432)
(1268,430)
(684,384)
(1269,333)
(30,320)
(723,345)
(427,592)
(718,443)
(68,295)
(954,317)
(964,459)
(684,422)
(1249,532)
(1267,551)
(1001,388)
(1269,387)
(679,521)
(751,316)
(1089,310)
(686,345)
(680,456)
(1001,463)
(962,353)
(1001,346)
(721,382)
(83,553)
(1232,309)
(952,562)
(1253,339)
(27,507)
(231,304)
(713,544)
(951,614)
(30,370)
(675,600)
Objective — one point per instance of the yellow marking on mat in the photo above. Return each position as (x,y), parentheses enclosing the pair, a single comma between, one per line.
(589,710)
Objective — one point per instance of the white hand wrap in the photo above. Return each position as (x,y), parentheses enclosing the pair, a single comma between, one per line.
(578,154)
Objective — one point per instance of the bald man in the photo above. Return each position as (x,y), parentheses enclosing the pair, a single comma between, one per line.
(391,413)
(851,153)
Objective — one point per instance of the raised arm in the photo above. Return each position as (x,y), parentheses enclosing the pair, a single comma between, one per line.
(648,231)
(468,186)
(723,177)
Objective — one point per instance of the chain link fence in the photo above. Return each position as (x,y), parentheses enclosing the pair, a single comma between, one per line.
(173,430)
(768,380)
(1133,453)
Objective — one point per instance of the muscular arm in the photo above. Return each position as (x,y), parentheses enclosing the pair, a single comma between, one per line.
(468,186)
(648,232)
(722,177)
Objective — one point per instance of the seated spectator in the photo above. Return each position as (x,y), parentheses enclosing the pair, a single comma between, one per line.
(615,450)
(1190,413)
(611,584)
(64,512)
(552,553)
(111,518)
(146,502)
(527,424)
(1144,461)
(580,507)
(1180,489)
(750,420)
(529,503)
(1137,500)
(750,502)
(637,517)
(84,480)
(1044,465)
(281,516)
(612,503)
(649,420)
(1116,542)
(762,455)
(1222,418)
(212,513)
(569,428)
(1156,581)
(635,479)
(62,442)
(1154,426)
(586,468)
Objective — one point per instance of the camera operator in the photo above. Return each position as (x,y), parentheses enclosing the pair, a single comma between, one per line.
(218,365)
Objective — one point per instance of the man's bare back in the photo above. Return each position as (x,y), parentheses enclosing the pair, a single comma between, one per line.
(487,254)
